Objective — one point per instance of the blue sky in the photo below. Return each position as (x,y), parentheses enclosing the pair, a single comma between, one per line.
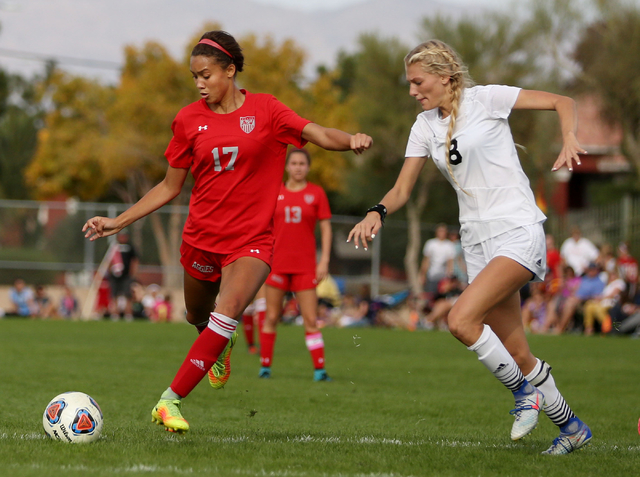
(331,4)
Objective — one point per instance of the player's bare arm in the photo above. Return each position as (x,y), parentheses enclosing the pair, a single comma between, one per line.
(397,197)
(336,140)
(566,109)
(322,269)
(161,194)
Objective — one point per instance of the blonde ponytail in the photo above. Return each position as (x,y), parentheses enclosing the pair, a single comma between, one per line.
(436,57)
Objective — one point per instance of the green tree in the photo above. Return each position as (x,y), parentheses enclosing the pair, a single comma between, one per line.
(609,55)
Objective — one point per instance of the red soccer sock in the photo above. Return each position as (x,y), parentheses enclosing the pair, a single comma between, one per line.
(247,326)
(261,316)
(315,345)
(267,342)
(203,353)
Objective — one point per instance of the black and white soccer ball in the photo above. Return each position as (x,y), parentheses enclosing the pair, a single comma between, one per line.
(73,417)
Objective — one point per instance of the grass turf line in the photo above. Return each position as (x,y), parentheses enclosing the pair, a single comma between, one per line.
(401,404)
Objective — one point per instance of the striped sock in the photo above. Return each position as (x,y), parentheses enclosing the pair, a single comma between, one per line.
(492,353)
(203,353)
(315,345)
(555,407)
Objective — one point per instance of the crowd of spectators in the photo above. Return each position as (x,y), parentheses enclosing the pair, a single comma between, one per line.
(27,302)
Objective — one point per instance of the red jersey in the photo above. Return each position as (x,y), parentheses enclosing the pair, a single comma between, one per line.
(553,262)
(237,161)
(628,267)
(295,222)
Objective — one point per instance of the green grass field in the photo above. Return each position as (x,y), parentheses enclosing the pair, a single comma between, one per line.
(401,404)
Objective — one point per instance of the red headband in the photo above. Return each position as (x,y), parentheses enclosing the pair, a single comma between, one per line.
(206,41)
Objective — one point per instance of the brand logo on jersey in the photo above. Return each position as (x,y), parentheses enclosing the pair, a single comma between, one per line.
(539,262)
(247,123)
(202,268)
(281,197)
(308,198)
(254,250)
(277,278)
(202,128)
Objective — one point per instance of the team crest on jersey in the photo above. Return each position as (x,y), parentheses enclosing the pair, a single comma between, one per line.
(247,123)
(308,198)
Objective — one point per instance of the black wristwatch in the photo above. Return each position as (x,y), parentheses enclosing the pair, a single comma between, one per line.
(381,209)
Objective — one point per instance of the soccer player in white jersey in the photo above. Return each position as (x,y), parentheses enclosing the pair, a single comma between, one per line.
(465,130)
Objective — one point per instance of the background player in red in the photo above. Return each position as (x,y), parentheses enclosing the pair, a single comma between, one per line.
(234,143)
(301,205)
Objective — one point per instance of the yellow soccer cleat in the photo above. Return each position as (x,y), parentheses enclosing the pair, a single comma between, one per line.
(221,369)
(167,413)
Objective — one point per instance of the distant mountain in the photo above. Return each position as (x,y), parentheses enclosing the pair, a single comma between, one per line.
(98,29)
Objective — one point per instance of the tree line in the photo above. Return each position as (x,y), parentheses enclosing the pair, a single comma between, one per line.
(66,135)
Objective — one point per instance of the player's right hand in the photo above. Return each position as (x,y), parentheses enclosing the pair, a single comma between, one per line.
(366,230)
(100,227)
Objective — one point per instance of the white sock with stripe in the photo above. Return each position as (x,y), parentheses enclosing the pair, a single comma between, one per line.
(555,407)
(223,325)
(492,353)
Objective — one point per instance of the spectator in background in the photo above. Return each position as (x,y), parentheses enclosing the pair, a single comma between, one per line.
(448,292)
(554,260)
(68,304)
(578,252)
(42,303)
(597,308)
(138,311)
(437,263)
(151,298)
(162,309)
(21,297)
(560,291)
(123,267)
(459,265)
(591,286)
(606,261)
(625,315)
(535,308)
(628,267)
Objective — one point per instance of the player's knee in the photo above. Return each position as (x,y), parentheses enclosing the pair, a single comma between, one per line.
(462,326)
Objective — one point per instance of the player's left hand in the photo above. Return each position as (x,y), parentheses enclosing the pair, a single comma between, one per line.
(360,142)
(569,153)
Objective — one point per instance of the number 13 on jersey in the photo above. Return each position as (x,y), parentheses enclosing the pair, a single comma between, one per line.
(293,215)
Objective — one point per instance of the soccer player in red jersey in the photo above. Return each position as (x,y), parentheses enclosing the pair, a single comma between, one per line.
(234,143)
(301,205)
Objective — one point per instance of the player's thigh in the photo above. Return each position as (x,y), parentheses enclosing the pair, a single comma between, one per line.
(497,282)
(308,303)
(199,298)
(239,283)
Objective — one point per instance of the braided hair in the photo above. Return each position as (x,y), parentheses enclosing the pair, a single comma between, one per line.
(436,57)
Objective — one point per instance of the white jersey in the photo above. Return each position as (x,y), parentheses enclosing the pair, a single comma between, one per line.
(484,162)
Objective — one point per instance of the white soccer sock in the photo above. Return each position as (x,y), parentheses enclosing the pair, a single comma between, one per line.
(223,325)
(261,304)
(555,407)
(492,353)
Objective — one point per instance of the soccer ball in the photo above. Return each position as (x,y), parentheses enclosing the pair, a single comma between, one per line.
(73,417)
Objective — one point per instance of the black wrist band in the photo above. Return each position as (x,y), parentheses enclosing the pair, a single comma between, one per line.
(381,209)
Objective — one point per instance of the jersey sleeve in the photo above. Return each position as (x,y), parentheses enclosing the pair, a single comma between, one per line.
(287,125)
(179,152)
(500,100)
(324,211)
(417,145)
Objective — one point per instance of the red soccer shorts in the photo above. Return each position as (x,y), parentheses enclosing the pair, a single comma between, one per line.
(208,266)
(292,282)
